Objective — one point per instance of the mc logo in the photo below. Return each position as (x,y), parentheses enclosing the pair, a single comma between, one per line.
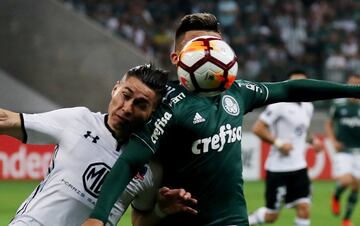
(94,177)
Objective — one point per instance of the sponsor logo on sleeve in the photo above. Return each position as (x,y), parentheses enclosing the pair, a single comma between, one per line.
(160,124)
(251,86)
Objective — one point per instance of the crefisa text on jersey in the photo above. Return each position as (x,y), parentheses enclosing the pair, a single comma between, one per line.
(159,126)
(226,135)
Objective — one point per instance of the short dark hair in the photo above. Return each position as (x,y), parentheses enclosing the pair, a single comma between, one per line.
(197,21)
(152,76)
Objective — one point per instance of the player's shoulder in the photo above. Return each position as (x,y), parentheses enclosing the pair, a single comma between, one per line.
(308,105)
(249,86)
(71,111)
(78,111)
(279,107)
(339,103)
(82,113)
(175,94)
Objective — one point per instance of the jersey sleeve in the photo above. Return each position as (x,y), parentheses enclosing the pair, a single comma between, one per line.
(157,129)
(254,94)
(308,90)
(46,128)
(146,197)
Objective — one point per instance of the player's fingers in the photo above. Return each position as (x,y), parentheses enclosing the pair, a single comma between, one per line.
(186,196)
(181,192)
(164,190)
(192,200)
(190,210)
(175,192)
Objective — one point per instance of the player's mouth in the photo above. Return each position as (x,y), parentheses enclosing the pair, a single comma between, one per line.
(121,119)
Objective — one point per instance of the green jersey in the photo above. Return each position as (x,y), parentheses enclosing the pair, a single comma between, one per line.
(346,124)
(198,140)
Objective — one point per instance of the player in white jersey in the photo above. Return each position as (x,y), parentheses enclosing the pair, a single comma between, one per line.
(87,145)
(285,125)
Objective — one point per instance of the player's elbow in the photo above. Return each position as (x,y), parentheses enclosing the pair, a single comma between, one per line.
(257,128)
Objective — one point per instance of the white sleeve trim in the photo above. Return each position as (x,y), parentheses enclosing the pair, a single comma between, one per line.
(152,150)
(267,93)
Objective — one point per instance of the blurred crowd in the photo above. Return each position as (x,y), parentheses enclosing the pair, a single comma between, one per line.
(269,36)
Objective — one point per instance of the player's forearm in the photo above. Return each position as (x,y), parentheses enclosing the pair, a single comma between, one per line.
(263,132)
(10,124)
(111,190)
(309,90)
(145,219)
(329,131)
(133,157)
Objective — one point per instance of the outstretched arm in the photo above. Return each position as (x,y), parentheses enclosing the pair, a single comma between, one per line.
(169,201)
(10,124)
(309,90)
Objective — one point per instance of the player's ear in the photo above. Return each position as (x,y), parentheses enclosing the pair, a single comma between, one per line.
(116,88)
(174,58)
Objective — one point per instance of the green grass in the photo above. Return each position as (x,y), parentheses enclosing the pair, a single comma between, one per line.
(320,209)
(12,193)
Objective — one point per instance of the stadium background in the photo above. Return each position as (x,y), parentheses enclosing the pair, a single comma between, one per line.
(64,53)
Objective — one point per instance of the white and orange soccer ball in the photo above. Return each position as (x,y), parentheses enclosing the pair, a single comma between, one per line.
(207,65)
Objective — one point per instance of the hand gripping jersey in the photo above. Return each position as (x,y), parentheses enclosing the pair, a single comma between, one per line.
(288,122)
(346,119)
(85,152)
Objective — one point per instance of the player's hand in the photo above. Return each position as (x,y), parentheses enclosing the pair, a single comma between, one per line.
(93,222)
(337,145)
(286,148)
(175,200)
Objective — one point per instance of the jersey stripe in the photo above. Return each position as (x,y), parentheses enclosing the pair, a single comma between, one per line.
(152,150)
(267,93)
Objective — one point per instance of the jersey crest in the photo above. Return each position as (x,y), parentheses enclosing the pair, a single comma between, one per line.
(230,105)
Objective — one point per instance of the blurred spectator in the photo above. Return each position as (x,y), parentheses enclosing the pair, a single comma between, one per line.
(269,36)
(335,66)
(227,11)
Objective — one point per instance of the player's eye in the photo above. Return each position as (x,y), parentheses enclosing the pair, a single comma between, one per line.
(142,105)
(126,95)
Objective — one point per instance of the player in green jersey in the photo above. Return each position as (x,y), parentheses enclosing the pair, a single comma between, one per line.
(343,130)
(204,155)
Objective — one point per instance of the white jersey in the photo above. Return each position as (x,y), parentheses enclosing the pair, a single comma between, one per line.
(84,155)
(288,122)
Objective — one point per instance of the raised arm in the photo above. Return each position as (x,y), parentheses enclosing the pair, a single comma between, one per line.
(10,124)
(309,90)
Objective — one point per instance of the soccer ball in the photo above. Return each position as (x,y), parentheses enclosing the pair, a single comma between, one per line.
(207,65)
